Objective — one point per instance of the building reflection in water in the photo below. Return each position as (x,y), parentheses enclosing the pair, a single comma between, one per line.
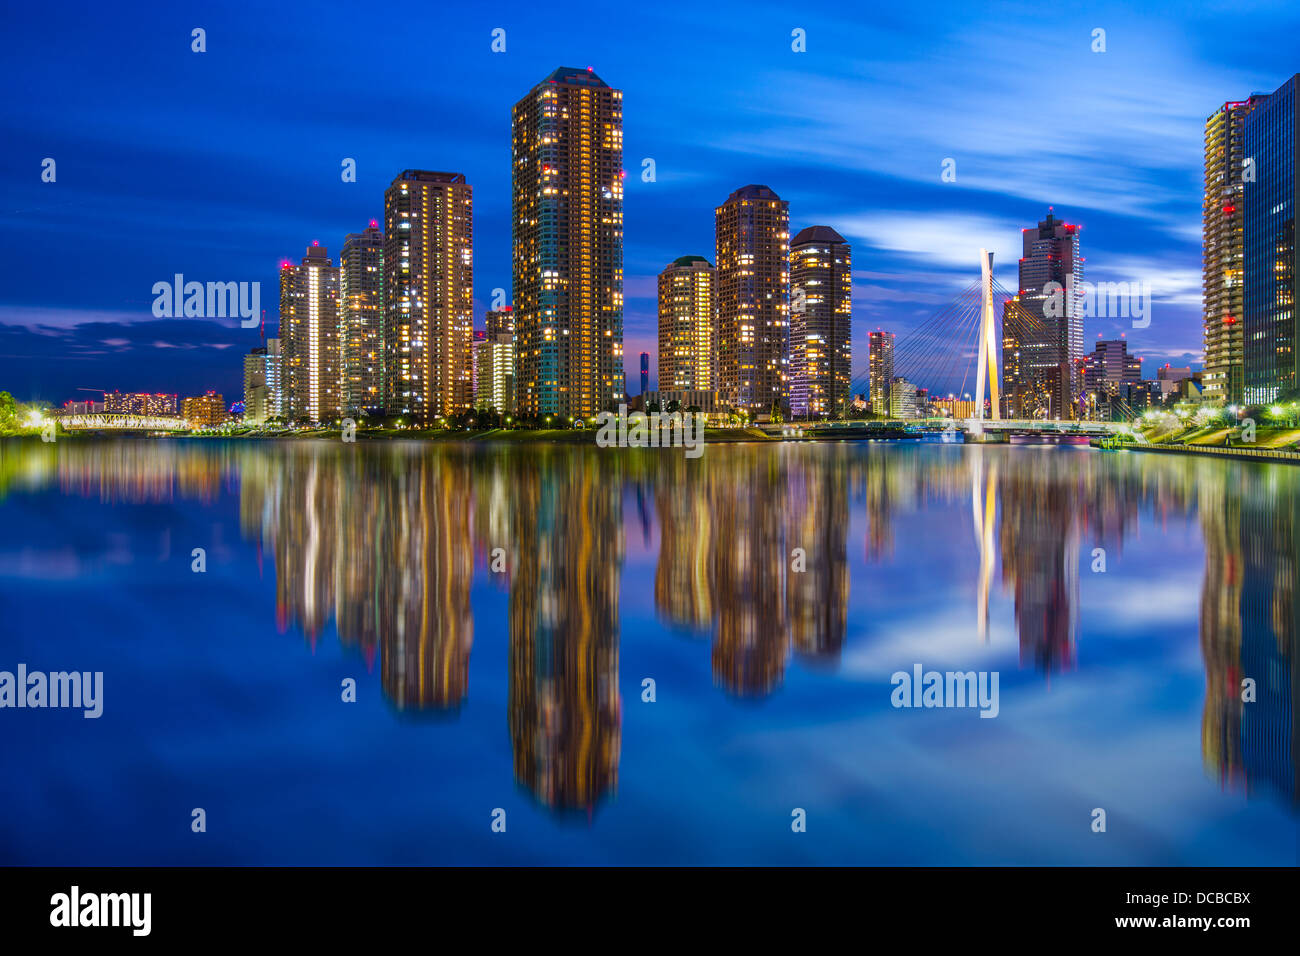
(1249,628)
(382,540)
(565,708)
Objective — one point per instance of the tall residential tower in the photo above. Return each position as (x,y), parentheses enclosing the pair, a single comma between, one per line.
(428,283)
(1223,216)
(361,286)
(687,302)
(880,367)
(821,312)
(753,285)
(567,183)
(311,357)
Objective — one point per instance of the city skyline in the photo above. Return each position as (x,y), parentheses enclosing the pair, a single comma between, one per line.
(826,175)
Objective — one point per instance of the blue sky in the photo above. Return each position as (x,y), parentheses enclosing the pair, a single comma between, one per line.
(221,164)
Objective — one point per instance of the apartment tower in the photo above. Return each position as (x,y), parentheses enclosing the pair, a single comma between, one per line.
(428,287)
(880,370)
(821,312)
(567,184)
(311,354)
(687,303)
(361,288)
(753,285)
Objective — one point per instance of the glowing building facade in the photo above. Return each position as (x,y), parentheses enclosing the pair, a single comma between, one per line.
(310,340)
(753,284)
(428,286)
(687,305)
(821,313)
(567,183)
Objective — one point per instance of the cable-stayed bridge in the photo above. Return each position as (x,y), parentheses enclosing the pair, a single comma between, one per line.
(962,352)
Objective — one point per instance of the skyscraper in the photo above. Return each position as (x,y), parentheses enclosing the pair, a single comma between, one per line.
(262,383)
(753,285)
(361,288)
(1045,342)
(311,357)
(880,368)
(645,372)
(428,283)
(1271,342)
(1223,216)
(567,182)
(687,303)
(821,312)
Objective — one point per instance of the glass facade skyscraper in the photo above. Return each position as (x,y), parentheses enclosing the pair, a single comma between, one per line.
(1270,343)
(1223,216)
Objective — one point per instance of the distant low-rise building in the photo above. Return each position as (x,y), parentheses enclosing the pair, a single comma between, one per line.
(708,403)
(140,403)
(902,398)
(206,410)
(1127,401)
(494,364)
(1169,377)
(73,407)
(954,407)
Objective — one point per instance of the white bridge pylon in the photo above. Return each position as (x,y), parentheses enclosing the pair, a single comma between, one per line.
(987,362)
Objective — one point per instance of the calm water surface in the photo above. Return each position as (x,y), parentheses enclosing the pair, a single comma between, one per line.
(523,689)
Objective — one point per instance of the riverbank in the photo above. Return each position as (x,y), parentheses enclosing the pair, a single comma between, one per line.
(509,436)
(1213,451)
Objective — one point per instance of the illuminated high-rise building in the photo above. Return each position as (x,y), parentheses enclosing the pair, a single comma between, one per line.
(428,284)
(1271,335)
(687,304)
(821,312)
(567,181)
(1043,325)
(880,366)
(361,287)
(262,383)
(311,370)
(494,366)
(753,286)
(1223,217)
